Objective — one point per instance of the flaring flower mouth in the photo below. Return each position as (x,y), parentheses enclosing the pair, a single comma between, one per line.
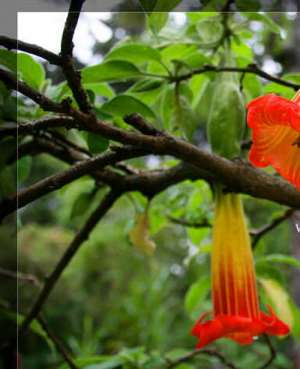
(275,124)
(236,314)
(240,329)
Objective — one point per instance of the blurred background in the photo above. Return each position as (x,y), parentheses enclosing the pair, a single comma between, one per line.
(112,296)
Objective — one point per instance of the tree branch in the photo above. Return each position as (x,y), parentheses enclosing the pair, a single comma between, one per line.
(72,75)
(57,343)
(39,125)
(202,224)
(56,181)
(78,240)
(13,44)
(272,353)
(19,276)
(259,233)
(10,81)
(252,68)
(191,355)
(237,176)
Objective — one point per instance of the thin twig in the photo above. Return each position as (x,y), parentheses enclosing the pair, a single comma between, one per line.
(259,233)
(56,181)
(272,353)
(10,81)
(38,125)
(186,223)
(13,44)
(252,69)
(74,246)
(194,353)
(57,343)
(72,75)
(19,276)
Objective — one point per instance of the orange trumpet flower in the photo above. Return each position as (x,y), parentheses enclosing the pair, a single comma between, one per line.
(275,124)
(236,314)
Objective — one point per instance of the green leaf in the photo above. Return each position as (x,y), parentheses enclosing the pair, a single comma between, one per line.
(159,5)
(293,77)
(31,71)
(7,181)
(275,88)
(156,21)
(147,5)
(136,53)
(267,21)
(123,105)
(145,85)
(279,258)
(210,30)
(96,143)
(8,59)
(176,353)
(114,70)
(279,299)
(23,168)
(177,52)
(252,86)
(166,5)
(35,326)
(82,203)
(226,117)
(8,149)
(100,89)
(196,294)
(184,117)
(96,362)
(249,5)
(10,110)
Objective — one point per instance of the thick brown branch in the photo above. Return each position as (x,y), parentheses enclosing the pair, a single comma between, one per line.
(43,124)
(237,176)
(57,343)
(147,182)
(252,68)
(70,26)
(78,240)
(57,181)
(191,355)
(259,233)
(48,105)
(13,44)
(72,75)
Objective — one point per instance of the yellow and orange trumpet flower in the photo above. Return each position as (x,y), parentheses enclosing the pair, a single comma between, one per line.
(275,124)
(236,314)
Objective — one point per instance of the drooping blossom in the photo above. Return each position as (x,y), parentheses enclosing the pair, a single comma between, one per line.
(236,314)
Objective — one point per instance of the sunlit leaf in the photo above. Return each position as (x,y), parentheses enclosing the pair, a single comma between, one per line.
(123,105)
(279,299)
(110,71)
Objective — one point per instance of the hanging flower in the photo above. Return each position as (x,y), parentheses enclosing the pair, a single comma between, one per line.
(275,124)
(236,314)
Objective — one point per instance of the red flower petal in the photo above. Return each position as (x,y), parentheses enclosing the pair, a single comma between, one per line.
(237,328)
(275,124)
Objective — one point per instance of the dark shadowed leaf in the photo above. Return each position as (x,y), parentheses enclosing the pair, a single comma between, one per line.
(96,143)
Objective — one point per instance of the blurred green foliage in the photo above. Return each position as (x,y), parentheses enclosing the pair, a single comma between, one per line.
(114,306)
